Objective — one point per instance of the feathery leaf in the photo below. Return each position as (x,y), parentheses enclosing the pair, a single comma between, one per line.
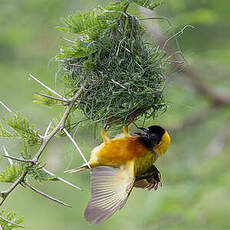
(12,217)
(149,4)
(45,100)
(11,173)
(21,128)
(39,175)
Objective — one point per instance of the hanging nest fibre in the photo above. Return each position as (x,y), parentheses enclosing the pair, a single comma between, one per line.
(123,75)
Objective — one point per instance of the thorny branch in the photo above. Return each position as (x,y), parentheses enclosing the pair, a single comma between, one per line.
(17,159)
(45,170)
(6,108)
(77,147)
(54,98)
(203,89)
(7,155)
(45,140)
(10,222)
(49,89)
(44,194)
(61,179)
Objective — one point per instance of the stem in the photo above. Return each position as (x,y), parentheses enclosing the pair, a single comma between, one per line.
(45,86)
(7,155)
(18,159)
(61,179)
(76,145)
(47,130)
(7,108)
(6,193)
(45,141)
(10,222)
(54,98)
(46,195)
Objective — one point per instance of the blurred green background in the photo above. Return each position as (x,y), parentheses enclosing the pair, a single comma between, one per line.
(195,170)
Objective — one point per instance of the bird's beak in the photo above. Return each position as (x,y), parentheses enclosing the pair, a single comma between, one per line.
(143,129)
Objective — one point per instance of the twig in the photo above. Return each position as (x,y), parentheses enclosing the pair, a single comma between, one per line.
(7,108)
(76,145)
(45,195)
(10,222)
(45,141)
(158,18)
(45,86)
(45,170)
(176,35)
(61,179)
(60,125)
(5,194)
(54,98)
(10,111)
(47,130)
(18,159)
(7,155)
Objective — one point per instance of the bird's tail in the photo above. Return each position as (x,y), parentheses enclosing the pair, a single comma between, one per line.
(82,168)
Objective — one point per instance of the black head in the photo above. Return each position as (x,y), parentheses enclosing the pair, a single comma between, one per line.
(157,130)
(151,136)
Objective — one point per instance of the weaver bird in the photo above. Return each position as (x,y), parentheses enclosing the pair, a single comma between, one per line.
(118,165)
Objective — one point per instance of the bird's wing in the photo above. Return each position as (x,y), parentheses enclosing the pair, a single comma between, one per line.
(110,189)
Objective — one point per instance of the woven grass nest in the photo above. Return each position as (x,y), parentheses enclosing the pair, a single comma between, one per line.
(123,75)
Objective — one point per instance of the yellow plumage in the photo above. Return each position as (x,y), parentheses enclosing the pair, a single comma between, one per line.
(125,148)
(118,165)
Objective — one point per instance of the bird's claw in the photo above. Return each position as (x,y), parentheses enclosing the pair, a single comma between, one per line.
(154,182)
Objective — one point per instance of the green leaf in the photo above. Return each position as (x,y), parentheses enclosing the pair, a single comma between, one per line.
(11,173)
(110,48)
(5,133)
(45,100)
(39,175)
(79,50)
(21,128)
(11,216)
(149,4)
(83,22)
(95,21)
(25,153)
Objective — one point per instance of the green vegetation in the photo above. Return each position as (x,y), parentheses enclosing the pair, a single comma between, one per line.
(11,173)
(123,74)
(196,179)
(20,128)
(12,218)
